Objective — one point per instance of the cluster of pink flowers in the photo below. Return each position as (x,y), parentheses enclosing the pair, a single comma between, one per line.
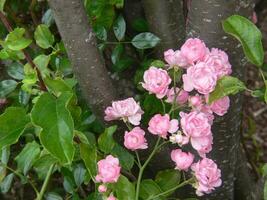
(202,69)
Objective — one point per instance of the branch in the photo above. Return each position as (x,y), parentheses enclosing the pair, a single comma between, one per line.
(81,46)
(166,20)
(27,56)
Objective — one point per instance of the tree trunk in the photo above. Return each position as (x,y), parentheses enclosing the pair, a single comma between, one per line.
(204,21)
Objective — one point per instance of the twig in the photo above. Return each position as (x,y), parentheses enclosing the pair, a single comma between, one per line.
(27,56)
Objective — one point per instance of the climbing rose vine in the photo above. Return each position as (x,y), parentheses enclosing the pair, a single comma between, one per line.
(189,76)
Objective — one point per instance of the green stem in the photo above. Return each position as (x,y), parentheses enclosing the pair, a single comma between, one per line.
(138,159)
(49,173)
(163,106)
(141,171)
(172,189)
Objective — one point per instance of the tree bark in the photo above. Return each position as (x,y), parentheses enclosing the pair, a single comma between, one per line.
(81,46)
(204,21)
(166,20)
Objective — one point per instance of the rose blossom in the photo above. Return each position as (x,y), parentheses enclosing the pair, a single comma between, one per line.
(135,139)
(102,188)
(156,81)
(179,139)
(175,58)
(201,77)
(203,144)
(208,176)
(218,59)
(161,125)
(126,109)
(111,197)
(181,98)
(108,170)
(183,160)
(196,101)
(193,50)
(221,106)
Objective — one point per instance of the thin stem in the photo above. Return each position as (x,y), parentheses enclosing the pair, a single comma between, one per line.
(172,189)
(141,171)
(163,106)
(49,173)
(138,159)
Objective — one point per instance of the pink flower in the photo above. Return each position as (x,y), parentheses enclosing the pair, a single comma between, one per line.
(161,125)
(195,124)
(203,145)
(156,81)
(175,58)
(254,17)
(201,77)
(183,160)
(179,139)
(126,109)
(196,101)
(221,106)
(135,139)
(218,60)
(208,112)
(108,170)
(111,197)
(194,50)
(208,176)
(102,188)
(181,98)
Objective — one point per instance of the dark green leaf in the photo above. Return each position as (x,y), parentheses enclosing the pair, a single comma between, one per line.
(140,25)
(79,174)
(57,128)
(126,159)
(123,64)
(15,70)
(57,85)
(119,27)
(145,40)
(249,36)
(6,87)
(265,94)
(6,184)
(42,62)
(116,53)
(101,32)
(15,40)
(265,190)
(124,189)
(149,189)
(2,4)
(27,157)
(53,196)
(48,18)
(89,156)
(227,85)
(42,165)
(106,141)
(5,153)
(44,38)
(24,97)
(13,122)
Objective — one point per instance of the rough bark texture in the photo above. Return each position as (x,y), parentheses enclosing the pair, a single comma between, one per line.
(204,21)
(166,19)
(81,45)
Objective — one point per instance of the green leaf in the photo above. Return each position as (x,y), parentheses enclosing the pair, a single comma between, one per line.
(51,114)
(106,141)
(126,159)
(53,196)
(79,174)
(227,85)
(140,25)
(5,153)
(123,64)
(6,87)
(2,4)
(249,36)
(158,64)
(148,189)
(119,27)
(44,38)
(42,62)
(145,40)
(116,53)
(27,156)
(265,94)
(6,184)
(101,32)
(168,179)
(15,70)
(89,156)
(42,165)
(265,190)
(15,40)
(264,170)
(69,182)
(13,122)
(24,97)
(124,189)
(48,18)
(57,85)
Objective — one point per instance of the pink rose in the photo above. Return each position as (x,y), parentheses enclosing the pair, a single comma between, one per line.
(161,125)
(221,106)
(193,50)
(181,98)
(111,197)
(126,109)
(195,124)
(203,145)
(196,101)
(208,112)
(175,58)
(218,60)
(208,176)
(135,139)
(179,139)
(156,81)
(201,77)
(108,170)
(102,188)
(183,160)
